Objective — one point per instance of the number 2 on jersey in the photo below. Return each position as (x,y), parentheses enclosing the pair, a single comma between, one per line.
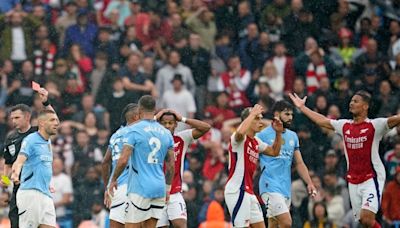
(156,145)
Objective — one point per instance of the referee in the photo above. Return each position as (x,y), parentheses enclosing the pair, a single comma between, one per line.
(20,116)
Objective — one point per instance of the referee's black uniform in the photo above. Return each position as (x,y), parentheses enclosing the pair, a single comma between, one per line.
(12,146)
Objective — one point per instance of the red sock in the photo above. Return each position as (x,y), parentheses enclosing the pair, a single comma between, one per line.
(376,225)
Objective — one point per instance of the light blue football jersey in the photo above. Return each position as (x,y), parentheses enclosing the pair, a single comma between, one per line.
(115,145)
(276,171)
(37,169)
(150,142)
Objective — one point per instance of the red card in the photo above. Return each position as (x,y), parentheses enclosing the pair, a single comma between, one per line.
(35,86)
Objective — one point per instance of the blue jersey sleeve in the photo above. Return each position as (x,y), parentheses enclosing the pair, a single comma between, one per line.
(297,144)
(130,139)
(26,148)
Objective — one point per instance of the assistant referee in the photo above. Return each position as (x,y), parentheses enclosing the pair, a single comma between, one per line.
(20,116)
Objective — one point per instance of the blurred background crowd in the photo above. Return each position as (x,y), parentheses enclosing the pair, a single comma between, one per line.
(206,59)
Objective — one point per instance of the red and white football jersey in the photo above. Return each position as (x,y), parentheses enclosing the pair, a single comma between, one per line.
(182,141)
(361,143)
(243,161)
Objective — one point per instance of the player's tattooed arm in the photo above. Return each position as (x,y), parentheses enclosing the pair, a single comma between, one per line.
(105,167)
(170,166)
(393,121)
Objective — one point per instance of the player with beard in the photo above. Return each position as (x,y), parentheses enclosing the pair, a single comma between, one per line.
(361,136)
(34,163)
(175,211)
(275,181)
(20,116)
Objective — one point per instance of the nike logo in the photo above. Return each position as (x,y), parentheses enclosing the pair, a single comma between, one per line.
(363,131)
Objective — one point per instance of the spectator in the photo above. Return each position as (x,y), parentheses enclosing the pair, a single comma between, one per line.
(80,65)
(67,19)
(114,102)
(198,60)
(62,195)
(100,78)
(83,201)
(17,29)
(135,81)
(20,90)
(391,197)
(202,23)
(82,33)
(235,81)
(338,184)
(392,161)
(248,48)
(245,17)
(215,217)
(320,215)
(387,99)
(179,99)
(122,6)
(284,65)
(220,112)
(105,44)
(275,81)
(129,38)
(278,8)
(44,58)
(264,50)
(167,72)
(317,69)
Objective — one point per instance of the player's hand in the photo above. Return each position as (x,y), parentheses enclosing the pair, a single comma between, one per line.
(167,197)
(297,101)
(257,110)
(160,113)
(15,178)
(277,125)
(107,199)
(312,191)
(43,94)
(178,116)
(110,190)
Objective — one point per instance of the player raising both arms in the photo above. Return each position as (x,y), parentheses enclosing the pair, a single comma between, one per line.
(361,136)
(147,145)
(244,150)
(34,200)
(275,180)
(116,204)
(175,211)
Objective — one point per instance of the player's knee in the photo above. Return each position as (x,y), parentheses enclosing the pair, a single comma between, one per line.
(367,221)
(287,223)
(179,223)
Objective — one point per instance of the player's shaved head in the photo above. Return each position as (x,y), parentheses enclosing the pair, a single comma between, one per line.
(130,113)
(147,103)
(43,115)
(366,97)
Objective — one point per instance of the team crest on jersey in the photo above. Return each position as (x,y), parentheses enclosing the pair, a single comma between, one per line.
(291,142)
(11,149)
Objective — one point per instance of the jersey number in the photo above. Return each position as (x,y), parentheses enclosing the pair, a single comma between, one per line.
(156,145)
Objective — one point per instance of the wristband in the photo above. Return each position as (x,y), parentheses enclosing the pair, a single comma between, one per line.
(46,103)
(184,119)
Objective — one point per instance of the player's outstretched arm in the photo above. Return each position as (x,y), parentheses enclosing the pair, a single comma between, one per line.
(105,167)
(199,127)
(394,121)
(246,124)
(317,118)
(275,149)
(17,167)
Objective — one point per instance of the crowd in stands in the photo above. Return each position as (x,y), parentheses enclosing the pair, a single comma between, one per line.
(206,59)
